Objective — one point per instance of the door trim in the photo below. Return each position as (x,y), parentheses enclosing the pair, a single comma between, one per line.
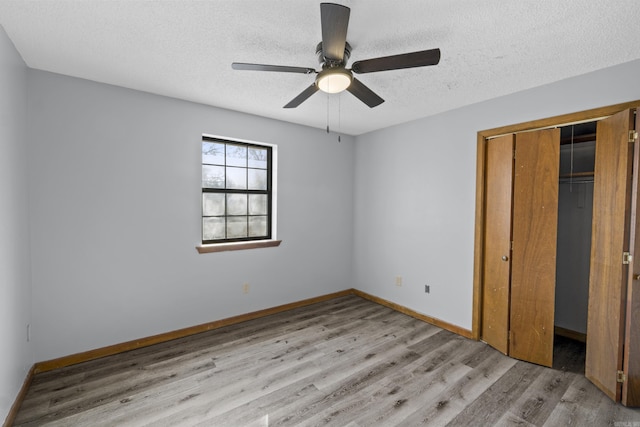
(631,361)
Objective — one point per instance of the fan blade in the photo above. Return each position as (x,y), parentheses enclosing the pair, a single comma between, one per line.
(395,62)
(302,97)
(335,20)
(262,67)
(364,94)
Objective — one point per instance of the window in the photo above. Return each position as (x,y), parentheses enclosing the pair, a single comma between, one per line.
(237,190)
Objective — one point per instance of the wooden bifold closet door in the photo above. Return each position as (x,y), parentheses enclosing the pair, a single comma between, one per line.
(613,232)
(519,252)
(497,243)
(535,231)
(519,272)
(519,243)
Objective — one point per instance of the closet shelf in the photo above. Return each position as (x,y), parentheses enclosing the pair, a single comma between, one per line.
(591,137)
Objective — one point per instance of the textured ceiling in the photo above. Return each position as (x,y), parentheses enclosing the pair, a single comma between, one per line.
(184,49)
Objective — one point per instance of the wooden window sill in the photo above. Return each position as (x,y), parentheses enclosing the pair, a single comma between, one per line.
(222,247)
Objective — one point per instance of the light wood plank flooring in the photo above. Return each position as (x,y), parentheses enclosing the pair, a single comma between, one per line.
(344,362)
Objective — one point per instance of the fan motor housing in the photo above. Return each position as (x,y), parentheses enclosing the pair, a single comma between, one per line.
(328,63)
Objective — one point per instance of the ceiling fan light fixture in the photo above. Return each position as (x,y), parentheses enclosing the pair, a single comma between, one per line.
(334,80)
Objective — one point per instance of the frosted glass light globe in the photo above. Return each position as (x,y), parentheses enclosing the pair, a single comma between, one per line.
(333,80)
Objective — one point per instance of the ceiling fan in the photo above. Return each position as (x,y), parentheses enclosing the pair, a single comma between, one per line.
(333,53)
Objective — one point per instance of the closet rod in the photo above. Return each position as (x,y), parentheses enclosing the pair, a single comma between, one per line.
(577,175)
(576,181)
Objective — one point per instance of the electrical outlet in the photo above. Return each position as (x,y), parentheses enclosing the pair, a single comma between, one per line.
(398,280)
(245,288)
(427,289)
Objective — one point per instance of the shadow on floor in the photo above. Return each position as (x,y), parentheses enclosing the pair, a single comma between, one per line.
(568,355)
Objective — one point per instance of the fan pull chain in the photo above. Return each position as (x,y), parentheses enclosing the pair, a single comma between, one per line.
(327,113)
(339,116)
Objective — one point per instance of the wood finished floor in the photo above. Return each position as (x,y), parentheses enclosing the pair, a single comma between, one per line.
(344,362)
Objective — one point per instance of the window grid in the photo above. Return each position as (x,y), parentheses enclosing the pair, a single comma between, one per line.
(226,216)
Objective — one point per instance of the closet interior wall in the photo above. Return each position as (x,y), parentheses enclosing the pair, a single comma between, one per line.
(575,214)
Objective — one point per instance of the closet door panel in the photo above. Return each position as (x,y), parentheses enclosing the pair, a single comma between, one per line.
(535,224)
(609,239)
(497,242)
(631,357)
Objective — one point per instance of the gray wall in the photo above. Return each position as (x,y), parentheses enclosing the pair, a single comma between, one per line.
(575,215)
(415,191)
(115,216)
(16,354)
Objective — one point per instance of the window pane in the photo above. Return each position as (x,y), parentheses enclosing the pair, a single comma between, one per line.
(212,176)
(257,179)
(236,204)
(236,192)
(236,227)
(257,226)
(257,158)
(237,178)
(212,153)
(213,228)
(213,204)
(257,204)
(236,155)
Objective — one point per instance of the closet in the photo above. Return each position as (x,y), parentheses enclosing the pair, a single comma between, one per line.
(523,190)
(575,214)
